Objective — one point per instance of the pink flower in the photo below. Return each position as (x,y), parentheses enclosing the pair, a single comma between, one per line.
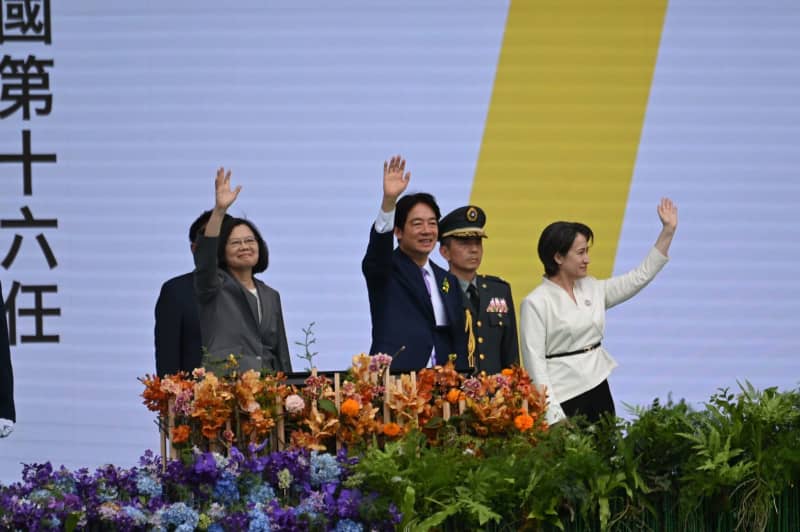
(183,402)
(377,363)
(349,389)
(295,404)
(199,373)
(472,388)
(502,381)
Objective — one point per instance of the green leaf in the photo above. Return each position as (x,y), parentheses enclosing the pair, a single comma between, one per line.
(407,506)
(71,522)
(434,423)
(439,517)
(328,406)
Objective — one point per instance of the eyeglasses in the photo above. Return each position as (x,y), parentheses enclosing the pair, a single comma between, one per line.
(242,242)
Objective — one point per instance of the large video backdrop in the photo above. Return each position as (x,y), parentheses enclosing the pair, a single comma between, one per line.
(109,153)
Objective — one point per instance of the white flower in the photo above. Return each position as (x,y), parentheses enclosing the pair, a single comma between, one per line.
(295,404)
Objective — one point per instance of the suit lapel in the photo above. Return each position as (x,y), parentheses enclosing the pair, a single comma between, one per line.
(442,281)
(410,276)
(246,300)
(265,301)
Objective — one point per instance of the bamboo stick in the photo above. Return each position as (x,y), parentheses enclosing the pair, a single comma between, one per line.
(163,437)
(414,393)
(280,427)
(387,387)
(173,452)
(337,398)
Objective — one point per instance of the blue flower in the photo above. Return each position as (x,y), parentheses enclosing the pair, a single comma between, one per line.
(107,493)
(136,515)
(324,468)
(179,514)
(149,486)
(40,495)
(216,527)
(259,522)
(226,490)
(346,525)
(312,506)
(53,522)
(261,494)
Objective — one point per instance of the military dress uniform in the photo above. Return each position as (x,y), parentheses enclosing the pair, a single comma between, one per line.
(491,321)
(494,324)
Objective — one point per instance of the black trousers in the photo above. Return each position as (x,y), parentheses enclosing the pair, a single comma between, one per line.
(593,404)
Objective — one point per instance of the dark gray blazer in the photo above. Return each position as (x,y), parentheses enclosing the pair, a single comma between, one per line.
(6,375)
(229,316)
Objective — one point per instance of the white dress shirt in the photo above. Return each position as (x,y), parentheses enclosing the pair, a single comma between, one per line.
(6,427)
(551,323)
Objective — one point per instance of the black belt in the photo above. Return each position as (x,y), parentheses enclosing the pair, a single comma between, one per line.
(577,352)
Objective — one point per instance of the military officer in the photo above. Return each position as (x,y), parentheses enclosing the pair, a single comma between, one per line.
(491,320)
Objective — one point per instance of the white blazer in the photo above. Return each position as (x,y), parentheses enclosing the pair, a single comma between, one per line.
(551,323)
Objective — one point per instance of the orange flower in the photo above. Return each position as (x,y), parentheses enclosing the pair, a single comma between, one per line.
(391,429)
(350,407)
(155,398)
(453,396)
(180,434)
(508,372)
(523,422)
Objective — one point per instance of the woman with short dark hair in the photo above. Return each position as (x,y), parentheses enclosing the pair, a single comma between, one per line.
(562,321)
(239,314)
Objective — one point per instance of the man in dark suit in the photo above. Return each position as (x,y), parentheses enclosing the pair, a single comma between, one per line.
(177,331)
(8,415)
(415,306)
(492,324)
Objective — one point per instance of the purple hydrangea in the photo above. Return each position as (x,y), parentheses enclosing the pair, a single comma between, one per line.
(348,503)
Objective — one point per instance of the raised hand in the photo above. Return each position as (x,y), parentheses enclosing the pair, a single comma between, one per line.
(394,179)
(668,213)
(224,196)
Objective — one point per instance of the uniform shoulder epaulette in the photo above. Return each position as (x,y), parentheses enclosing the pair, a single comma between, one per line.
(495,278)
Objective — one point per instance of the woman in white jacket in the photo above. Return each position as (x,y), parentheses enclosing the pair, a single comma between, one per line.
(563,320)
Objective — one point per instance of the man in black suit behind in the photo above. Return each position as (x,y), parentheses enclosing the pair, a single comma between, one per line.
(8,415)
(415,306)
(177,331)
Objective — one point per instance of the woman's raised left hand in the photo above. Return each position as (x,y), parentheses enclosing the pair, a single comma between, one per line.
(668,213)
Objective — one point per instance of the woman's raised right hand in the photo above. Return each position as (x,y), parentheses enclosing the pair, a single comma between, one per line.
(224,196)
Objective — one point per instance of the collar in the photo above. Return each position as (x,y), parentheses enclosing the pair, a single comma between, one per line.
(465,284)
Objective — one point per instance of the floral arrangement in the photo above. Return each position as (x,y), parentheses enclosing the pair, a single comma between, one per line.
(367,403)
(734,465)
(289,490)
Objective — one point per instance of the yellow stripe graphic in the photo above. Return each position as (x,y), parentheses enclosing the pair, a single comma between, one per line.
(563,127)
